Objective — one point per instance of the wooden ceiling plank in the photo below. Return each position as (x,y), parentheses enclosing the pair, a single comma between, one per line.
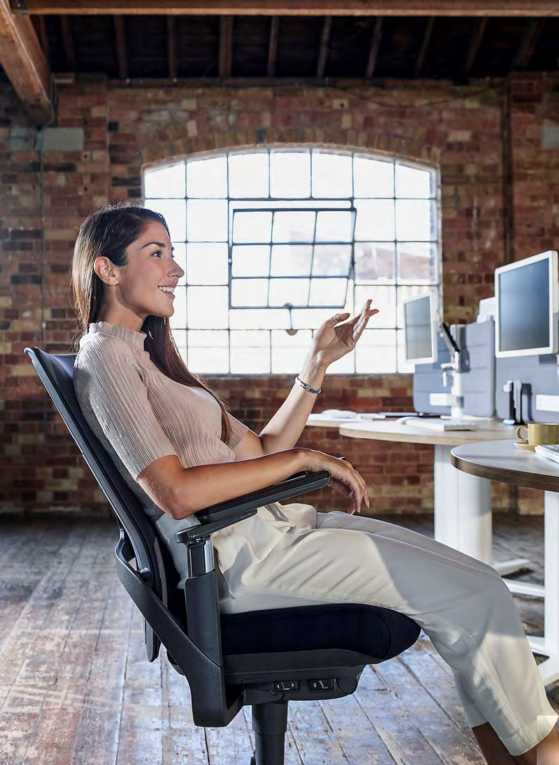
(420,63)
(68,43)
(324,43)
(501,8)
(25,64)
(225,46)
(43,35)
(528,44)
(273,47)
(475,45)
(375,46)
(120,45)
(172,47)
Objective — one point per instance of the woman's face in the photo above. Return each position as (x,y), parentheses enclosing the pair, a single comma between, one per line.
(145,285)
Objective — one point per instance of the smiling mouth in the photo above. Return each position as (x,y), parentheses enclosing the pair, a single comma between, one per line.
(170,293)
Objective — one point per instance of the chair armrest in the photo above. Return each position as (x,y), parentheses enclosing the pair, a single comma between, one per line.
(226,513)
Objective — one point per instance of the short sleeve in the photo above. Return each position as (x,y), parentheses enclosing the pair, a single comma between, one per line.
(111,391)
(238,430)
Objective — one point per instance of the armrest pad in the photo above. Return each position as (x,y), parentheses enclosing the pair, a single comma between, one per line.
(226,513)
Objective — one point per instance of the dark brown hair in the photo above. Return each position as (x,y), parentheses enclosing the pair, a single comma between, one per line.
(108,232)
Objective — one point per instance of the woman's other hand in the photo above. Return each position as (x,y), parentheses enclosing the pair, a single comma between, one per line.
(343,474)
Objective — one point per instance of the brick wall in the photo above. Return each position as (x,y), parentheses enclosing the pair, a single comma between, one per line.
(44,198)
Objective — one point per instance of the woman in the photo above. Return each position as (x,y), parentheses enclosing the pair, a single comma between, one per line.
(180,450)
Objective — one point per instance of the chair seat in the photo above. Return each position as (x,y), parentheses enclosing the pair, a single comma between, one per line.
(370,630)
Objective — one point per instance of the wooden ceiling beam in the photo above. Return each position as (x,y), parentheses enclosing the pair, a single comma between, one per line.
(503,8)
(25,64)
(375,46)
(475,45)
(419,64)
(68,43)
(43,35)
(225,46)
(324,43)
(172,47)
(120,45)
(273,47)
(528,44)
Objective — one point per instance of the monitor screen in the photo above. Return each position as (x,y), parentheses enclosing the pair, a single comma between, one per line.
(418,330)
(526,302)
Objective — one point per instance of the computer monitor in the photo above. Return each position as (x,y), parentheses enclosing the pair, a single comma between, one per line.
(420,330)
(527,295)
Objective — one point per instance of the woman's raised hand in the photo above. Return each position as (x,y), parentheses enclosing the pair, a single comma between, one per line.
(339,334)
(343,474)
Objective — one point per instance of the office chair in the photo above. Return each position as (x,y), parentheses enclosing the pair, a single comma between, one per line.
(261,658)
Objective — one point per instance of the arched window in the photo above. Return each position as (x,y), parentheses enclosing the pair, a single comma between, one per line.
(275,240)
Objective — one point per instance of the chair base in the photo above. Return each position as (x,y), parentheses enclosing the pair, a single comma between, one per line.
(269,722)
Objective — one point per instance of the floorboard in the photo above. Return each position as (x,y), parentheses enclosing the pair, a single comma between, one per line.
(76,689)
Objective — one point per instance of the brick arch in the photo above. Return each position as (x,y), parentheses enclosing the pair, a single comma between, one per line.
(367,141)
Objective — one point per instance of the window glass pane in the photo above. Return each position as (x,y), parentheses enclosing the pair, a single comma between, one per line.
(289,351)
(304,318)
(207,263)
(290,174)
(291,260)
(375,220)
(375,262)
(406,293)
(174,212)
(415,220)
(331,174)
(251,226)
(164,182)
(376,352)
(249,338)
(248,175)
(373,178)
(334,226)
(404,366)
(296,226)
(200,338)
(259,318)
(178,319)
(179,336)
(207,307)
(384,298)
(207,177)
(249,292)
(331,260)
(294,291)
(250,352)
(345,365)
(208,360)
(250,260)
(417,262)
(206,220)
(414,182)
(179,252)
(328,292)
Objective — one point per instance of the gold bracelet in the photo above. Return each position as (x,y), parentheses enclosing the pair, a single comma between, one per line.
(307,387)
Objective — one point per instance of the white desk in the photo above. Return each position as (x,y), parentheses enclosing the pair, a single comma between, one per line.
(503,461)
(462,502)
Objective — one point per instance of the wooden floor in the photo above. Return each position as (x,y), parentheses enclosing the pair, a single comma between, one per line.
(75,688)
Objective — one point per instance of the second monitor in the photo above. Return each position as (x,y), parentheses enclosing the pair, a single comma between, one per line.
(420,330)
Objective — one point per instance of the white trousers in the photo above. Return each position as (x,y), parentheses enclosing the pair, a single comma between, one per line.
(290,555)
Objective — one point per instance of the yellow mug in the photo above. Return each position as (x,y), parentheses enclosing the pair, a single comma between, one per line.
(535,433)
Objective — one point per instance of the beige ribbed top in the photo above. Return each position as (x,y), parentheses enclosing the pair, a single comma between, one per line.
(139,414)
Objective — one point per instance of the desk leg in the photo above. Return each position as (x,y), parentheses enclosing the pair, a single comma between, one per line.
(462,508)
(549,644)
(463,518)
